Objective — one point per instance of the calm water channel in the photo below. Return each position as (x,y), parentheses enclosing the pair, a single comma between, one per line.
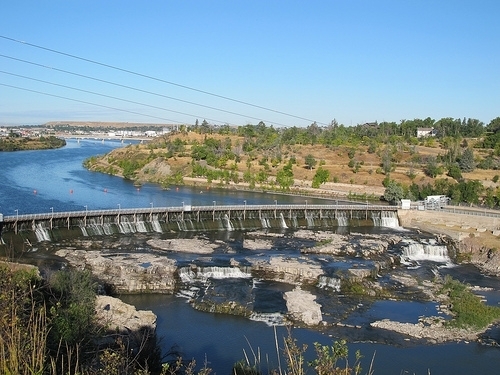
(41,181)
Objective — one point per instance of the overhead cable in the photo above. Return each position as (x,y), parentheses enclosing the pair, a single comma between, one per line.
(103,95)
(154,78)
(90,103)
(137,89)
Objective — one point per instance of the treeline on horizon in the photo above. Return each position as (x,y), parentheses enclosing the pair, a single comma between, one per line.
(336,134)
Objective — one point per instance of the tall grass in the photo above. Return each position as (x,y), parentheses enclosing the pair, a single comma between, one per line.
(329,360)
(48,331)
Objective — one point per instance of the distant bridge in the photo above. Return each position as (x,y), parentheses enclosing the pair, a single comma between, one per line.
(228,215)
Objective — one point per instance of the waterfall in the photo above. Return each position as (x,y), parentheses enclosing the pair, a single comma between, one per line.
(108,229)
(188,274)
(42,234)
(189,225)
(342,219)
(84,232)
(141,227)
(282,221)
(188,293)
(156,226)
(222,273)
(310,221)
(182,225)
(271,319)
(329,282)
(265,223)
(95,230)
(125,226)
(387,219)
(425,251)
(229,226)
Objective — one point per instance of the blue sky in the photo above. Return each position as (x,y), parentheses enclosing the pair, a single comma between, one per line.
(294,61)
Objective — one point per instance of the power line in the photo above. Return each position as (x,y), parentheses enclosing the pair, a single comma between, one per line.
(103,95)
(155,78)
(136,89)
(90,103)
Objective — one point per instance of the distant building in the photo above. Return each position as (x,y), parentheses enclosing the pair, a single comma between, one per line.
(434,202)
(371,125)
(426,132)
(405,204)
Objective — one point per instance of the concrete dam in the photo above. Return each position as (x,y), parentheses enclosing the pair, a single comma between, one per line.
(48,226)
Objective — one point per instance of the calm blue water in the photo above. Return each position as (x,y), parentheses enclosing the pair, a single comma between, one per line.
(222,340)
(36,181)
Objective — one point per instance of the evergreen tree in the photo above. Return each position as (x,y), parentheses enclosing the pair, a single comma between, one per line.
(467,161)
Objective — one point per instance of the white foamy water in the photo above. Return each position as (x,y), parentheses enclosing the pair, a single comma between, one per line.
(386,219)
(188,274)
(270,319)
(415,251)
(42,234)
(329,282)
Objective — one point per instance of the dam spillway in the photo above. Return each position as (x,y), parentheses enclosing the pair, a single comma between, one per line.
(200,218)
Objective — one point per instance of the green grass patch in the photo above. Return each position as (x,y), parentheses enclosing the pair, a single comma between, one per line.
(468,309)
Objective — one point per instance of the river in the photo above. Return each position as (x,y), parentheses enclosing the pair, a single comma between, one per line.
(41,181)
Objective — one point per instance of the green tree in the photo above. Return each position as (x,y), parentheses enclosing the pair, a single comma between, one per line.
(466,162)
(387,161)
(310,161)
(455,172)
(471,191)
(432,168)
(494,125)
(393,192)
(73,309)
(320,177)
(284,177)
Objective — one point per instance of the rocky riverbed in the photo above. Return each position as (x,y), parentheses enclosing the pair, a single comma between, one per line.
(316,265)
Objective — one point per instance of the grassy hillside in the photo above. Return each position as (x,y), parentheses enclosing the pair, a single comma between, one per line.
(265,160)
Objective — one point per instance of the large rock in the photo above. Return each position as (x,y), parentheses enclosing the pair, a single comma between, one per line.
(302,306)
(119,316)
(192,245)
(127,273)
(290,271)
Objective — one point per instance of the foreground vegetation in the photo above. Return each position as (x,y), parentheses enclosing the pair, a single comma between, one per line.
(460,160)
(49,326)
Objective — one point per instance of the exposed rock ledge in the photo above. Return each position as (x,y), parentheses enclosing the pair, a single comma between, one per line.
(128,273)
(432,328)
(193,245)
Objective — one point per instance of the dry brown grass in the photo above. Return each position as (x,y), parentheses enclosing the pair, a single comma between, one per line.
(368,179)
